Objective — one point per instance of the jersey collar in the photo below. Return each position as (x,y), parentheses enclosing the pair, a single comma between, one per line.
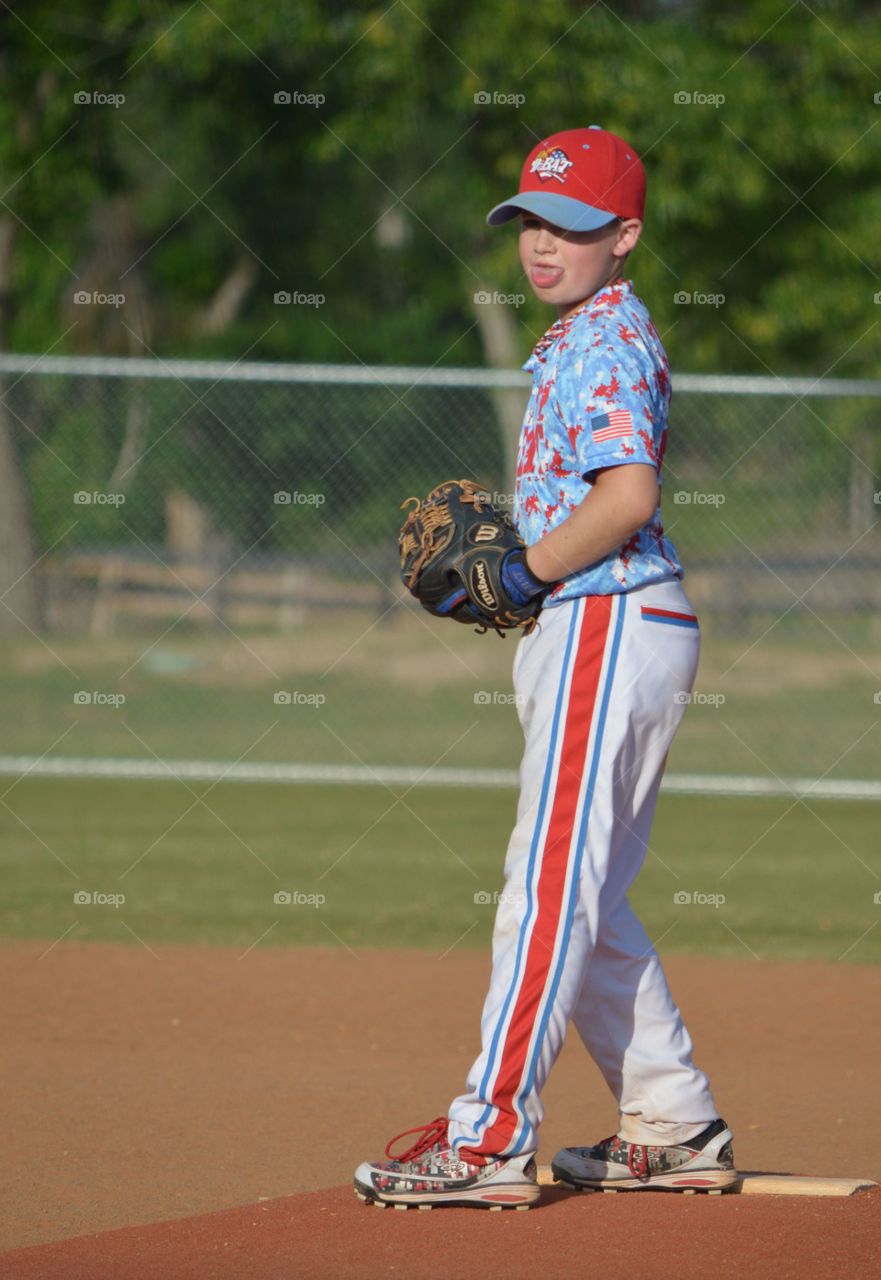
(609,296)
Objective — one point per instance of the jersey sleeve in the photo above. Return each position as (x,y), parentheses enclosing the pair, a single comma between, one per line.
(611,411)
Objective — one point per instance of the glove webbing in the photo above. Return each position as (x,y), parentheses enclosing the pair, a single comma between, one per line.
(432,517)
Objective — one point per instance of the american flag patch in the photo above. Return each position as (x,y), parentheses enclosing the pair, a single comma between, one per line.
(611,426)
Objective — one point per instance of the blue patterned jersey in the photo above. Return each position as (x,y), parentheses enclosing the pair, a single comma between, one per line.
(600,398)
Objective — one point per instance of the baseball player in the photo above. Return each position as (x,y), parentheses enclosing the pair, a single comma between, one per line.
(600,683)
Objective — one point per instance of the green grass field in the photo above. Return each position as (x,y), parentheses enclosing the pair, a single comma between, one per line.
(405,692)
(797,885)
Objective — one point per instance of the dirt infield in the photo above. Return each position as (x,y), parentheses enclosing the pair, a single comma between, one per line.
(326,1235)
(142,1088)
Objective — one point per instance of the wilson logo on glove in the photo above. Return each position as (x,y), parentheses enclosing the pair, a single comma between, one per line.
(480,585)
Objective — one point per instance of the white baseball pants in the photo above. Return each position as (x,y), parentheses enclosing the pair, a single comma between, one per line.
(602,685)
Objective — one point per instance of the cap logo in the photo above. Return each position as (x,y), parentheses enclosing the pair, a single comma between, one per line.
(551,164)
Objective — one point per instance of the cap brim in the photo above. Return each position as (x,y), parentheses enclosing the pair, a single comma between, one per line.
(562,211)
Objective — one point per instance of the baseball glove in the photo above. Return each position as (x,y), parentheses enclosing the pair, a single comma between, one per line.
(464,560)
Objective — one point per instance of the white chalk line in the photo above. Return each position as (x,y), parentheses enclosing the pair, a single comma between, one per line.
(403,775)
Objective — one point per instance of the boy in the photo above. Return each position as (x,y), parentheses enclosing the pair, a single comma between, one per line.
(601,684)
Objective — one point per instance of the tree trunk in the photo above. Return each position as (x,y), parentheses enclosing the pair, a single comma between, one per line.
(498,331)
(229,298)
(19,596)
(117,241)
(861,495)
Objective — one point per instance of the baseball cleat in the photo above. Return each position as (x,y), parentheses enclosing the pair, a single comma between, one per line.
(704,1163)
(430,1173)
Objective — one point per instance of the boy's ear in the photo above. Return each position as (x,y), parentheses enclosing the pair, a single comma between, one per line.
(629,231)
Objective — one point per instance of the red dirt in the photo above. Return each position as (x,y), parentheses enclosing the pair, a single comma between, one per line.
(138,1090)
(328,1235)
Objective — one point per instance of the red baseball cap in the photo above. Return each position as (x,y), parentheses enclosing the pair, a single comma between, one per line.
(580,180)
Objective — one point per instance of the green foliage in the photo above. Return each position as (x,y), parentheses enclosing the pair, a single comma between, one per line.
(769,197)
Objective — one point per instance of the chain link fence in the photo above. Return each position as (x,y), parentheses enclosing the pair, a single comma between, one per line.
(198,562)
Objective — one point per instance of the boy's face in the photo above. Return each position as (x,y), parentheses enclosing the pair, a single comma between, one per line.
(565,268)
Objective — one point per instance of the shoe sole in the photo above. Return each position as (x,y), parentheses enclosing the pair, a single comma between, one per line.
(501,1197)
(709,1181)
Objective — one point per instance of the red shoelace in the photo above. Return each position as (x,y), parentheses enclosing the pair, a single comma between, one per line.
(638,1161)
(432,1133)
(637,1156)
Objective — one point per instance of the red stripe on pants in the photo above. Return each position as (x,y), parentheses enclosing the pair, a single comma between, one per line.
(590,645)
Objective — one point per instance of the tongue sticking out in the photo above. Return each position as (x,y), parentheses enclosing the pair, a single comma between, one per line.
(545,277)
